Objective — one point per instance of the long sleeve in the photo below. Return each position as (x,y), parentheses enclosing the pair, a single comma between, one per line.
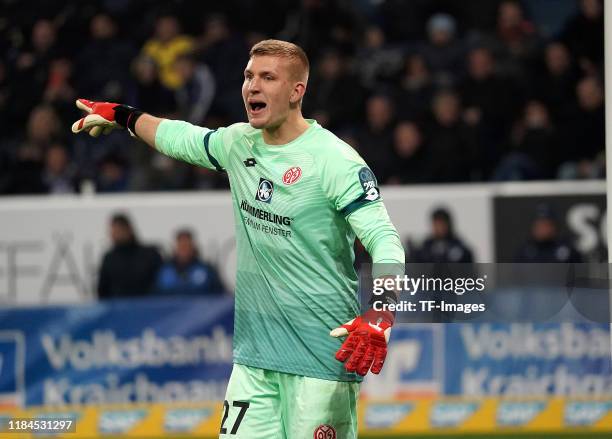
(373,227)
(190,143)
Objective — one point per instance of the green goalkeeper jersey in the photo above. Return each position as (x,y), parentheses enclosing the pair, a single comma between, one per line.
(295,278)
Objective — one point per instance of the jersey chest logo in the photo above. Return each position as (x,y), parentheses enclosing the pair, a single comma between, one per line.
(292,175)
(264,190)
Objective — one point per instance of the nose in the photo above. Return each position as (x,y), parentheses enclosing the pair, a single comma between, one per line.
(253,85)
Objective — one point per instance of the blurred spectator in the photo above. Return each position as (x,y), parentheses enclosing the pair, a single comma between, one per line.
(32,68)
(185,273)
(491,98)
(59,176)
(129,268)
(518,37)
(410,162)
(113,174)
(336,93)
(102,61)
(147,92)
(43,128)
(447,140)
(378,61)
(443,245)
(585,137)
(584,35)
(442,52)
(556,83)
(416,88)
(165,46)
(59,88)
(316,24)
(27,154)
(226,53)
(545,244)
(375,140)
(536,147)
(491,102)
(195,95)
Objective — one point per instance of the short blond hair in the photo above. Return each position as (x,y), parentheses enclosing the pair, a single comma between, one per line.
(284,49)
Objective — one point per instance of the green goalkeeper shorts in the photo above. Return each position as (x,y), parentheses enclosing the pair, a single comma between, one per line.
(264,404)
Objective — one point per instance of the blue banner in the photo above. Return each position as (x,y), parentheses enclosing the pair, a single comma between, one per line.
(152,350)
(489,359)
(567,359)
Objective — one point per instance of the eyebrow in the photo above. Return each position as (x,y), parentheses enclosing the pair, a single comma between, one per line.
(265,72)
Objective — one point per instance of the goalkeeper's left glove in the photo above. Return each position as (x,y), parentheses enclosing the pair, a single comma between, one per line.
(366,345)
(103,117)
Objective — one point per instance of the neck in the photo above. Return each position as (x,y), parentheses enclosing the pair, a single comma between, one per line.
(291,128)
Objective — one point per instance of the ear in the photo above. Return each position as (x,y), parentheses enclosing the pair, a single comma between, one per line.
(298,92)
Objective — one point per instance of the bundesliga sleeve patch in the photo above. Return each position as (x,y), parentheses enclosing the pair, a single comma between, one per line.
(369,184)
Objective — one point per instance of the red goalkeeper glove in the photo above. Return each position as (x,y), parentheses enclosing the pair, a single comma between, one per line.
(366,345)
(103,117)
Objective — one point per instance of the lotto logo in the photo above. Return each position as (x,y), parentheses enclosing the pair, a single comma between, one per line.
(325,432)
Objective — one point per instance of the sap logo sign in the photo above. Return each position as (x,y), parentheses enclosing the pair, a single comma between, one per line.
(588,222)
(386,415)
(518,413)
(585,413)
(450,414)
(185,420)
(120,421)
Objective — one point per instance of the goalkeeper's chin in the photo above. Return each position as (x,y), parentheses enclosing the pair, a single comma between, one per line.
(257,122)
(261,118)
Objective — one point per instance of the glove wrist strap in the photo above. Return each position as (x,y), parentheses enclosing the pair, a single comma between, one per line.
(378,317)
(388,297)
(127,116)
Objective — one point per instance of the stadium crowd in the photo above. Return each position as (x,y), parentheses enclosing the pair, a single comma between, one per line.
(428,91)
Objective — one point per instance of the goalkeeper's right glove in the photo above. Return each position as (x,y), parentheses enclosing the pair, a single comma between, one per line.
(365,348)
(103,117)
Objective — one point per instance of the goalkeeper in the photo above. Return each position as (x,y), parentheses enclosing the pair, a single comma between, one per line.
(300,197)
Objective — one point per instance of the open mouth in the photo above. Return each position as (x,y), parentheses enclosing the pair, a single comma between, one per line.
(256,107)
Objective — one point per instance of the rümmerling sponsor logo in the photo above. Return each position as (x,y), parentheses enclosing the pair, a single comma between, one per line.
(264,215)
